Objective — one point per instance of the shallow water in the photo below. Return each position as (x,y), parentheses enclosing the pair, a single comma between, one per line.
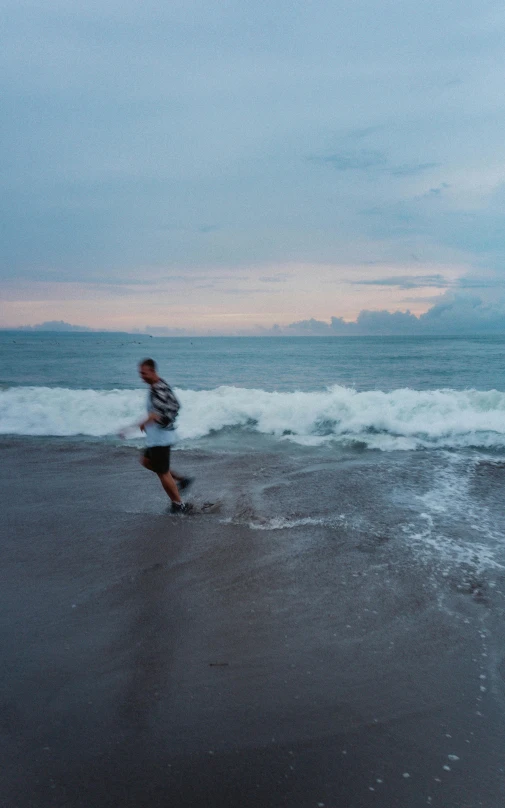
(334,634)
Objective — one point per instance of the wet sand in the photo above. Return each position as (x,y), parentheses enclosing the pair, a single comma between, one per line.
(151,660)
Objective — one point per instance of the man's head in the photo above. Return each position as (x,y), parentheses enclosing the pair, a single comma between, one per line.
(148,371)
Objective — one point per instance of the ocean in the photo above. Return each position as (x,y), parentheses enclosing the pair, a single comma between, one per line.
(436,403)
(431,403)
(427,412)
(352,580)
(388,394)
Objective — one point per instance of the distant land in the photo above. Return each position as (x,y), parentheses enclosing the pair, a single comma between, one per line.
(53,325)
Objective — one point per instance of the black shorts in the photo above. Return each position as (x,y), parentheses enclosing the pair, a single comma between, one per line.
(159,458)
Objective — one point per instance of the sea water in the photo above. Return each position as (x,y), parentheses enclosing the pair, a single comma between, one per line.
(389,393)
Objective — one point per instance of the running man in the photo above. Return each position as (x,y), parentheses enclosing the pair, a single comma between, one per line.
(160,432)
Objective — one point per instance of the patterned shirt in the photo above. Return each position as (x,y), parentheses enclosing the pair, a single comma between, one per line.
(164,404)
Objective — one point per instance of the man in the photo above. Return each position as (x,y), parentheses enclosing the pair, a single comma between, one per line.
(159,429)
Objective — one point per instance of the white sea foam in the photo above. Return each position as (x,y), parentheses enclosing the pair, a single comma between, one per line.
(402,419)
(448,503)
(283,523)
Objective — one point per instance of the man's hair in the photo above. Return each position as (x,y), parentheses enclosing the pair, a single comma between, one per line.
(149,363)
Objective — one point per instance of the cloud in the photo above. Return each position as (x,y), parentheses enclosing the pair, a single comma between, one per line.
(421,299)
(310,327)
(406,281)
(465,314)
(122,148)
(183,136)
(282,277)
(435,280)
(377,161)
(362,133)
(453,315)
(353,161)
(411,169)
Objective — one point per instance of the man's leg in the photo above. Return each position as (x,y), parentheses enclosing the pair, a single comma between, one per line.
(158,460)
(182,481)
(170,487)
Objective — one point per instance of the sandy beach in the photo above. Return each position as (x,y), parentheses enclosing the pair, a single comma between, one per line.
(166,661)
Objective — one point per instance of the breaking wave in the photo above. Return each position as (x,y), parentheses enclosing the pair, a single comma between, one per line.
(401,419)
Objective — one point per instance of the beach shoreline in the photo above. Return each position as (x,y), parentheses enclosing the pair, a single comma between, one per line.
(156,660)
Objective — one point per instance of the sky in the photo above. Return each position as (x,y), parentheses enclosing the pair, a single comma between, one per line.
(246,166)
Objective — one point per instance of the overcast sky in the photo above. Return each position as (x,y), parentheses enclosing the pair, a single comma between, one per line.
(224,165)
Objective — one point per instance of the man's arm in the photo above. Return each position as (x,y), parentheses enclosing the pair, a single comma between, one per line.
(165,408)
(151,418)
